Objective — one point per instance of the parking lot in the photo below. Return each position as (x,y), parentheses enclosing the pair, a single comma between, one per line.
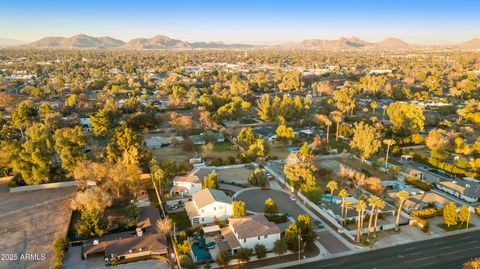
(30,222)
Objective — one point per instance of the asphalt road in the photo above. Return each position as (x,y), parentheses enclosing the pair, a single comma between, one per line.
(446,252)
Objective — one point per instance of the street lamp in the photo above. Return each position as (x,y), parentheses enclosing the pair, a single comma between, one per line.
(299,246)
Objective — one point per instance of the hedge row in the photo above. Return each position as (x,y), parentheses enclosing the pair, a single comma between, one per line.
(452,169)
(420,183)
(425,213)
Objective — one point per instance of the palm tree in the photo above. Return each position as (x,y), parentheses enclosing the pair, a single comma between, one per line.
(322,119)
(372,204)
(380,204)
(332,186)
(388,142)
(402,196)
(343,194)
(360,206)
(337,118)
(346,205)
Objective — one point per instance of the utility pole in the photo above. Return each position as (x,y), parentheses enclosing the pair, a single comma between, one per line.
(299,247)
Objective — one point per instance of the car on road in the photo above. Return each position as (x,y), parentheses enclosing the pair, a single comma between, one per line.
(293,198)
(319,223)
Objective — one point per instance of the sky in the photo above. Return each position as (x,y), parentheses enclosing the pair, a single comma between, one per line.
(254,22)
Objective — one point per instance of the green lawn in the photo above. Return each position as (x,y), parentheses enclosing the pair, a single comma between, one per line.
(339,145)
(247,121)
(457,227)
(181,220)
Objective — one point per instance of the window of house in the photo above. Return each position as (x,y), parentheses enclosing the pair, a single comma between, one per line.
(214,208)
(245,240)
(258,238)
(265,236)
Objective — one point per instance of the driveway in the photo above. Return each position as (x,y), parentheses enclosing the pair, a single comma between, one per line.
(255,201)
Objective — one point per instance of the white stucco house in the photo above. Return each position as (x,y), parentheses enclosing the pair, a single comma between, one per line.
(464,189)
(191,183)
(246,232)
(208,204)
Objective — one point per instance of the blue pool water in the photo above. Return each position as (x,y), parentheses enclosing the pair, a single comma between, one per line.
(199,249)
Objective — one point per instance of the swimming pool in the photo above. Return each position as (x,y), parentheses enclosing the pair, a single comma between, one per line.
(200,250)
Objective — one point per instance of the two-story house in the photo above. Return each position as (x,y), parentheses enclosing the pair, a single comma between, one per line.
(191,183)
(208,204)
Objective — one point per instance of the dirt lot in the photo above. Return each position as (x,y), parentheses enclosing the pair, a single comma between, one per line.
(30,222)
(234,175)
(172,153)
(279,150)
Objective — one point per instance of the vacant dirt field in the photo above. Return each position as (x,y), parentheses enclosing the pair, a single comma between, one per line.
(172,153)
(234,175)
(30,222)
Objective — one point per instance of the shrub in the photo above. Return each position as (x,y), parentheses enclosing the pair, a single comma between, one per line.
(243,254)
(60,246)
(419,183)
(425,213)
(277,218)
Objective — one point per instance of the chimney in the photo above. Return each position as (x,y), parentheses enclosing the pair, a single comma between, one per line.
(139,232)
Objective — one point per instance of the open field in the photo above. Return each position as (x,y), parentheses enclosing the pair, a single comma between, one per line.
(278,150)
(220,150)
(172,153)
(30,222)
(234,175)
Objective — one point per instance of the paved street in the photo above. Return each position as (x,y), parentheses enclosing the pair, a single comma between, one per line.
(445,252)
(255,201)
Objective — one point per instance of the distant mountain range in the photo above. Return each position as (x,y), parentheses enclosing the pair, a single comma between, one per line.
(5,42)
(161,42)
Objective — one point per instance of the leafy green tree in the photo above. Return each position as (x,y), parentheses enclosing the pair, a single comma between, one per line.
(280,247)
(223,258)
(246,137)
(304,225)
(91,224)
(244,254)
(344,99)
(293,238)
(264,107)
(210,181)
(69,144)
(406,119)
(270,207)
(159,177)
(365,139)
(186,262)
(239,209)
(22,117)
(258,149)
(101,123)
(260,251)
(298,171)
(305,151)
(35,159)
(464,214)
(450,214)
(285,133)
(257,178)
